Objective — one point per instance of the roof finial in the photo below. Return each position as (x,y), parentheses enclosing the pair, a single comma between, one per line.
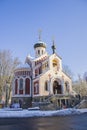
(40,34)
(53,47)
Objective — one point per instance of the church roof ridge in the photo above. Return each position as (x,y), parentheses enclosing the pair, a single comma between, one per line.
(25,65)
(56,55)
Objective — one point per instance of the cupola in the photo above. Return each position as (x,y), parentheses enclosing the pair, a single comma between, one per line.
(40,48)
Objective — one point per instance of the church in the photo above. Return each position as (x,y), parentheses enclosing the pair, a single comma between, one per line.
(40,77)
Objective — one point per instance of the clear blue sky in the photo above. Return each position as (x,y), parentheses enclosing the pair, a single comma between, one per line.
(65,20)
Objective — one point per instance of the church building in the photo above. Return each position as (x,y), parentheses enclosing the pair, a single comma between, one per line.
(40,77)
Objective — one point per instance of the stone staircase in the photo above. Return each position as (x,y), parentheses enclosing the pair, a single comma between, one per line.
(82,104)
(57,101)
(54,102)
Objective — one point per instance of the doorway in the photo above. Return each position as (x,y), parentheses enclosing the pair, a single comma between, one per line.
(56,87)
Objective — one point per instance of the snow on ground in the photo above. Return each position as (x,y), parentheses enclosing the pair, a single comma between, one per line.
(8,113)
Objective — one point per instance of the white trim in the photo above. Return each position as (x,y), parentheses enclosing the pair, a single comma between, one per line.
(21,95)
(36,95)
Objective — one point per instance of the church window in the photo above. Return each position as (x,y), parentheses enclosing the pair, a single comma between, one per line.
(39,52)
(36,87)
(36,72)
(54,63)
(21,86)
(40,70)
(46,86)
(16,86)
(27,86)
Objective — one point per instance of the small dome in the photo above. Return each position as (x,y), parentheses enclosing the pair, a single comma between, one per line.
(40,44)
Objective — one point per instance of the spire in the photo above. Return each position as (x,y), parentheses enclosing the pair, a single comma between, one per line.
(53,47)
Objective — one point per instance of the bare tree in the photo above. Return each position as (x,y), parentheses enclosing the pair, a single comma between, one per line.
(80,86)
(85,76)
(67,70)
(7,66)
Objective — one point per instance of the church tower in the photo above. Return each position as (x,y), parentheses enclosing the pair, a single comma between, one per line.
(40,47)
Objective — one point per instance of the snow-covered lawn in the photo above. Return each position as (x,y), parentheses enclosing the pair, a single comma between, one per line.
(8,113)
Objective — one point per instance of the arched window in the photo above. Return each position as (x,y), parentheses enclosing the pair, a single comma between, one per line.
(21,86)
(56,65)
(27,86)
(42,51)
(16,86)
(46,86)
(36,87)
(36,72)
(38,52)
(40,70)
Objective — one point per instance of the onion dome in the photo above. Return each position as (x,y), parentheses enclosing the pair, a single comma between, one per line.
(40,44)
(40,49)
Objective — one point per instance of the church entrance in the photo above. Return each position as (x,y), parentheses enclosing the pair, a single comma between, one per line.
(56,87)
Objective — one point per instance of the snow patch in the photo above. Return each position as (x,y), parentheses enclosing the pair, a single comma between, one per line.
(12,113)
